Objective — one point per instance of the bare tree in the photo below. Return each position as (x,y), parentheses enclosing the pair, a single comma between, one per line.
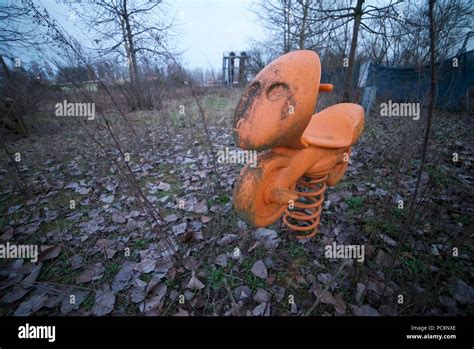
(289,23)
(17,85)
(14,29)
(130,29)
(275,18)
(361,15)
(302,27)
(323,26)
(406,41)
(260,56)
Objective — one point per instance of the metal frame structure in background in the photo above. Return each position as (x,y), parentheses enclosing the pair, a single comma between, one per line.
(234,65)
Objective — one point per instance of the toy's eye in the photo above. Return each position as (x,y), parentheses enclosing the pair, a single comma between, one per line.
(247,99)
(253,89)
(278,91)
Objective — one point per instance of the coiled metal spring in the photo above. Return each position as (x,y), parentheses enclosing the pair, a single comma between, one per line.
(306,213)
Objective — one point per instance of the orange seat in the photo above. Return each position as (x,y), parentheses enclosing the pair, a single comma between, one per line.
(337,126)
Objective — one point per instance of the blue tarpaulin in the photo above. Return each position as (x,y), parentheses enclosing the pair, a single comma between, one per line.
(411,84)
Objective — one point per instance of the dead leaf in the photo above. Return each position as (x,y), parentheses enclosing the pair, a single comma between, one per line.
(179,228)
(365,310)
(33,304)
(278,292)
(53,300)
(76,262)
(182,312)
(105,245)
(33,276)
(153,305)
(464,293)
(198,235)
(254,246)
(384,259)
(123,278)
(205,219)
(163,266)
(72,300)
(242,292)
(171,218)
(327,298)
(107,199)
(82,190)
(118,218)
(194,283)
(340,305)
(388,240)
(71,185)
(334,198)
(262,296)
(201,207)
(360,292)
(301,280)
(104,301)
(259,269)
(145,266)
(49,252)
(324,297)
(375,286)
(221,260)
(262,309)
(324,278)
(17,293)
(269,238)
(164,186)
(93,273)
(137,293)
(155,280)
(227,239)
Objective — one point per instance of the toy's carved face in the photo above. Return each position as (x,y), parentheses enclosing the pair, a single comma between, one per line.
(277,105)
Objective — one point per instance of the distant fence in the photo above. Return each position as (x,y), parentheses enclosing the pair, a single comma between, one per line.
(411,84)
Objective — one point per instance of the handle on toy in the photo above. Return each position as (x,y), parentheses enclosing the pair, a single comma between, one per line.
(326,87)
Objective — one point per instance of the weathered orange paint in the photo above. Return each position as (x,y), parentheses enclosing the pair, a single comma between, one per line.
(277,105)
(303,150)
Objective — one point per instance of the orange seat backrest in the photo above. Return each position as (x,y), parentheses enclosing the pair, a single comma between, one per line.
(337,126)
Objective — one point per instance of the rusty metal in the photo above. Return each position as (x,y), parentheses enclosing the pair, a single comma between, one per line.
(304,152)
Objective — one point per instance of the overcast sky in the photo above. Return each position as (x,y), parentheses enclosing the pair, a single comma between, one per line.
(205,30)
(211,27)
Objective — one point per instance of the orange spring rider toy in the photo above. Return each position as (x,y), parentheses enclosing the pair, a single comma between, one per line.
(305,152)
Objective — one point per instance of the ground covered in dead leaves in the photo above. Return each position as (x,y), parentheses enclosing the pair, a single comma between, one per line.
(157,235)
